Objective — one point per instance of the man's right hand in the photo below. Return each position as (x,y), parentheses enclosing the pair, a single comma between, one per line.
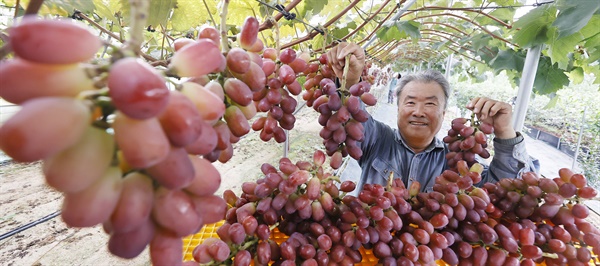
(337,59)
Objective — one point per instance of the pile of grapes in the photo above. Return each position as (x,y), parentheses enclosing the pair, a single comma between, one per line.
(512,222)
(467,138)
(128,151)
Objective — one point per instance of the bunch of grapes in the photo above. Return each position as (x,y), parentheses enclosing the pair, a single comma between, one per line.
(126,151)
(276,99)
(467,138)
(137,179)
(340,111)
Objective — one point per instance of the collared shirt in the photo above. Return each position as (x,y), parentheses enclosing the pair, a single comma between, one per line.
(385,151)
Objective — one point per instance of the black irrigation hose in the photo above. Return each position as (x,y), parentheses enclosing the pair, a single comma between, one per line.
(29,225)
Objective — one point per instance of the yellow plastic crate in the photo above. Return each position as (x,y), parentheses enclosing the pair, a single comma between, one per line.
(210,230)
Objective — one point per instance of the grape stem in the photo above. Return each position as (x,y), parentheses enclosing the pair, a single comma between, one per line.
(223,28)
(111,34)
(550,255)
(139,17)
(345,74)
(334,178)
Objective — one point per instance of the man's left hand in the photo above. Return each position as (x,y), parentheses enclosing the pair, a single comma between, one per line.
(496,113)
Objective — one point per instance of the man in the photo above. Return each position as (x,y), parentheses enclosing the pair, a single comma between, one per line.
(413,152)
(392,87)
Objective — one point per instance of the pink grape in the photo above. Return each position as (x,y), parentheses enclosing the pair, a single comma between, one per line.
(137,89)
(80,165)
(238,60)
(248,33)
(95,204)
(181,120)
(206,180)
(166,248)
(58,41)
(22,80)
(43,127)
(208,104)
(238,91)
(131,134)
(131,243)
(175,211)
(135,204)
(175,171)
(197,59)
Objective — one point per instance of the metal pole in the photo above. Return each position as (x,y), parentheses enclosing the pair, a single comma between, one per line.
(392,20)
(526,86)
(448,66)
(579,138)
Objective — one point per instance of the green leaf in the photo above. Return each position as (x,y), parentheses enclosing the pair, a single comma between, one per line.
(503,14)
(591,32)
(107,9)
(340,32)
(533,26)
(159,13)
(71,5)
(185,19)
(387,34)
(409,28)
(574,15)
(560,48)
(315,6)
(576,75)
(508,60)
(549,78)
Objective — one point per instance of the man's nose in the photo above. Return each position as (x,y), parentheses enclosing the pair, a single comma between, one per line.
(419,110)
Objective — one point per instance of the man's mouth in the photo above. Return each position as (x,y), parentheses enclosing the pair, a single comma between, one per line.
(414,123)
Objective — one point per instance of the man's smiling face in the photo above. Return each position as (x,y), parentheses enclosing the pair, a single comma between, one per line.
(420,113)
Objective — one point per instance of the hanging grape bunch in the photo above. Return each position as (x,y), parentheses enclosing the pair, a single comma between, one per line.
(126,151)
(276,99)
(467,138)
(340,111)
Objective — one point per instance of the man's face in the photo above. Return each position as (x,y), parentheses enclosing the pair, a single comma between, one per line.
(420,112)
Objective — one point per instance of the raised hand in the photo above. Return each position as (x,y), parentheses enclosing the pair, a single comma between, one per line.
(336,57)
(496,113)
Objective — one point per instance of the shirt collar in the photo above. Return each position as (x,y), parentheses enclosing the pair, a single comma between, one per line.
(435,144)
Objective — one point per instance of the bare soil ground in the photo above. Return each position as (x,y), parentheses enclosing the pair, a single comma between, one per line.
(25,197)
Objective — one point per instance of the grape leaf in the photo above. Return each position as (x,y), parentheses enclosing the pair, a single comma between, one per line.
(533,26)
(508,60)
(238,11)
(183,19)
(574,15)
(63,8)
(408,28)
(315,6)
(561,47)
(576,75)
(549,78)
(159,13)
(503,14)
(106,11)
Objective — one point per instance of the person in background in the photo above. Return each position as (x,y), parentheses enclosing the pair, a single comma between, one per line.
(392,87)
(412,152)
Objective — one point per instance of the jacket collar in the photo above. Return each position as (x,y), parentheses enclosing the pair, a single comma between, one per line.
(435,144)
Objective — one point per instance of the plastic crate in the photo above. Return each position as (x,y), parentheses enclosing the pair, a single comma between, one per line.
(210,230)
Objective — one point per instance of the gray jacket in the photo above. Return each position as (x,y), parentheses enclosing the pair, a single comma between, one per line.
(384,150)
